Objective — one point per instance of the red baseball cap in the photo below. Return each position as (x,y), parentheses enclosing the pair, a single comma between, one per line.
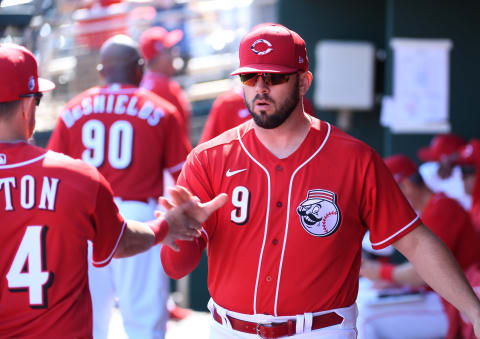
(157,39)
(19,73)
(400,166)
(440,146)
(272,48)
(469,154)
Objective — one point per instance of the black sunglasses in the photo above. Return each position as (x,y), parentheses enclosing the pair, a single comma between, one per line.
(38,96)
(271,79)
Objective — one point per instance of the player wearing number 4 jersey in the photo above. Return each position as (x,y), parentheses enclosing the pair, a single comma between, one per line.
(50,205)
(284,252)
(131,135)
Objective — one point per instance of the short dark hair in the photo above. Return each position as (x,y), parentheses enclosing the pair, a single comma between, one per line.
(416,179)
(7,108)
(468,169)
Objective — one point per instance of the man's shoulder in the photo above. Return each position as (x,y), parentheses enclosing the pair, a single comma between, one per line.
(345,142)
(69,166)
(229,137)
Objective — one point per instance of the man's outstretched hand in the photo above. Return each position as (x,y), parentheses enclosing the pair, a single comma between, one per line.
(185,214)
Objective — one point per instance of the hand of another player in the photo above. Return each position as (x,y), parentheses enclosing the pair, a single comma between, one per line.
(186,214)
(370,269)
(198,211)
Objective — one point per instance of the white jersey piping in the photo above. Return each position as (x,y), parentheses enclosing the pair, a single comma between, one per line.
(288,214)
(114,249)
(396,233)
(266,219)
(23,163)
(176,168)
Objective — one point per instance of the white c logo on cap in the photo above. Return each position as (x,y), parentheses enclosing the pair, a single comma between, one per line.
(266,51)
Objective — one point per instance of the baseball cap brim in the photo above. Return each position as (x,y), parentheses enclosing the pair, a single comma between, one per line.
(263,68)
(45,85)
(172,38)
(426,154)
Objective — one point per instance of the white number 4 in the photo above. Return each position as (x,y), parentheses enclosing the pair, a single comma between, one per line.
(28,269)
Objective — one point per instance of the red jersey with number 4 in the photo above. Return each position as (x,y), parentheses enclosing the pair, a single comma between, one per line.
(50,206)
(130,134)
(289,239)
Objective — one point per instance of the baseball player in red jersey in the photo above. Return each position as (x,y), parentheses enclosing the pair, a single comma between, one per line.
(229,110)
(156,46)
(383,311)
(51,205)
(459,326)
(284,251)
(469,157)
(131,135)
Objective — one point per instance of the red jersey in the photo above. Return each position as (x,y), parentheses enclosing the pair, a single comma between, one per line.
(128,133)
(171,91)
(229,110)
(289,239)
(459,327)
(50,206)
(452,224)
(470,154)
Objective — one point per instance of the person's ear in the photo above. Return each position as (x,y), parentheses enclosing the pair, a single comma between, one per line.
(304,82)
(101,70)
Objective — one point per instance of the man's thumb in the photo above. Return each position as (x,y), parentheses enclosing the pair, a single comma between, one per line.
(215,203)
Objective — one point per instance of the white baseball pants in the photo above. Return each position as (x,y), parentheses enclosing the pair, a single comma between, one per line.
(413,317)
(345,330)
(139,283)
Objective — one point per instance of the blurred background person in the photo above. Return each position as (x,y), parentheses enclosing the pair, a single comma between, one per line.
(468,159)
(393,302)
(157,48)
(131,135)
(435,176)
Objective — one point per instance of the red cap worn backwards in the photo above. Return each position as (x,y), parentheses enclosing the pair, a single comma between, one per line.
(156,39)
(400,166)
(272,48)
(19,73)
(440,146)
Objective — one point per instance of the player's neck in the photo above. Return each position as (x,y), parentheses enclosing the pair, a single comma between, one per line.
(285,139)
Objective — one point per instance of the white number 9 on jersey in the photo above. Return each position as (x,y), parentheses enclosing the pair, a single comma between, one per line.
(120,141)
(241,201)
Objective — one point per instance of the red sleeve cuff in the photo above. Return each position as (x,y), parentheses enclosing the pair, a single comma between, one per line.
(160,229)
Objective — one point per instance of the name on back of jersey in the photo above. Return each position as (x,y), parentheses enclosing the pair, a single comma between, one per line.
(22,192)
(113,104)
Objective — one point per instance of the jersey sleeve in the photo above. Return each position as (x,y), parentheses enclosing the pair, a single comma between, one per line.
(59,139)
(384,209)
(211,128)
(177,146)
(109,225)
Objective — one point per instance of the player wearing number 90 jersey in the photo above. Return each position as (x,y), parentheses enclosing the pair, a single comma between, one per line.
(128,133)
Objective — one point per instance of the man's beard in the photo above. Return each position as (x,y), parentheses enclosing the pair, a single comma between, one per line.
(281,113)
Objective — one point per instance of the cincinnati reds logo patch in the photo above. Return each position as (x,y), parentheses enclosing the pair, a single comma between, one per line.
(319,213)
(261,47)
